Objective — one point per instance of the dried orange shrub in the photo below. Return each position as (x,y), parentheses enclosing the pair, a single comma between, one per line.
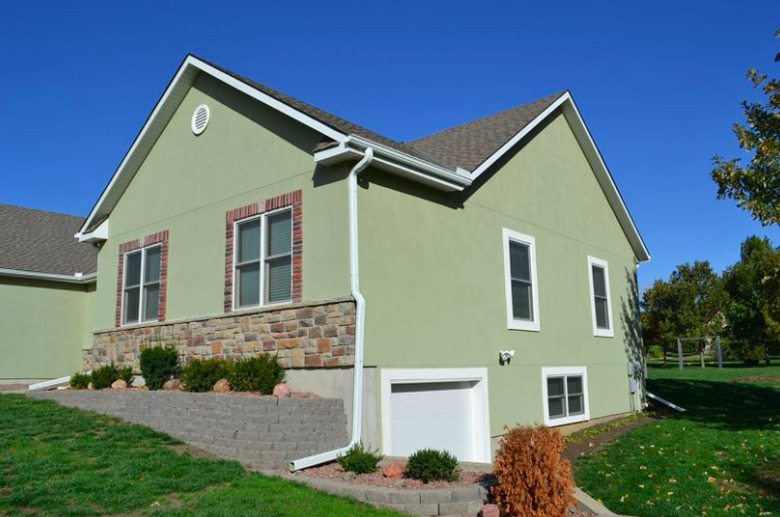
(533,479)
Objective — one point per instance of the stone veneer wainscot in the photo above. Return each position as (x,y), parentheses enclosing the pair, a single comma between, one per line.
(305,335)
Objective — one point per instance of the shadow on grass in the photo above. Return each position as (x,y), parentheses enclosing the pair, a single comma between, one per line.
(729,405)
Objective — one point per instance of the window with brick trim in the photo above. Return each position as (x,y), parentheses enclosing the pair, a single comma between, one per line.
(142,280)
(264,253)
(263,274)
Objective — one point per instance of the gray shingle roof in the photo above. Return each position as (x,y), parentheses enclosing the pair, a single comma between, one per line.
(34,240)
(470,144)
(463,146)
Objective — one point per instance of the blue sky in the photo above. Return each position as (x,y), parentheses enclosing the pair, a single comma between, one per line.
(659,84)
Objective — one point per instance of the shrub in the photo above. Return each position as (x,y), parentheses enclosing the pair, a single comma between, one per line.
(431,465)
(105,376)
(158,365)
(260,373)
(202,374)
(533,479)
(80,381)
(359,460)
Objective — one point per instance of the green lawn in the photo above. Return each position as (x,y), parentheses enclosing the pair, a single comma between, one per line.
(56,461)
(720,458)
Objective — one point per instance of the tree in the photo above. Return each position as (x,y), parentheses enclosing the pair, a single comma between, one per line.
(752,284)
(756,187)
(690,303)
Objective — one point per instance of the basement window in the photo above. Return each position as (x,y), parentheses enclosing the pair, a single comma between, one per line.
(141,291)
(565,395)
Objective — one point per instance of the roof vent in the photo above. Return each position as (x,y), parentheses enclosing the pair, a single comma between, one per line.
(200,119)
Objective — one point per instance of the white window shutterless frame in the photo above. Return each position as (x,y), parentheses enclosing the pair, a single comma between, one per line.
(600,299)
(565,391)
(141,289)
(262,270)
(521,284)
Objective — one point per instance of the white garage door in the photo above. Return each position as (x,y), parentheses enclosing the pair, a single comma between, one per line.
(438,415)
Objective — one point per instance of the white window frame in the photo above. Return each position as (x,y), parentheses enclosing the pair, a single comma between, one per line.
(512,322)
(263,258)
(141,285)
(479,376)
(600,332)
(564,371)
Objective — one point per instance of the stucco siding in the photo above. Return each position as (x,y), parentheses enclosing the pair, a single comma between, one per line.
(432,271)
(188,183)
(42,329)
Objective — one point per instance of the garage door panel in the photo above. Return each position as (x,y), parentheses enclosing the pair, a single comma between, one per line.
(434,415)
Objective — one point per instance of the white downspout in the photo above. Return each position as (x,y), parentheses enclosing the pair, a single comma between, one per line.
(360,325)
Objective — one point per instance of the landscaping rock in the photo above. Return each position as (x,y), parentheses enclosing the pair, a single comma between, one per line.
(119,385)
(282,390)
(222,386)
(489,510)
(393,471)
(90,386)
(172,385)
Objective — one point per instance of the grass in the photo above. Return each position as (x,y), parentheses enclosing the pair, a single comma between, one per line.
(56,461)
(720,458)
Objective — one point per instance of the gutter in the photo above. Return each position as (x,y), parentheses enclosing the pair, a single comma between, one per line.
(76,278)
(360,323)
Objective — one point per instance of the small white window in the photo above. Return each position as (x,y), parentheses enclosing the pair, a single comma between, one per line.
(522,288)
(565,395)
(141,290)
(263,260)
(600,302)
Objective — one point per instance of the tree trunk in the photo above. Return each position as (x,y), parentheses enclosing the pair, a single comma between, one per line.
(701,356)
(664,356)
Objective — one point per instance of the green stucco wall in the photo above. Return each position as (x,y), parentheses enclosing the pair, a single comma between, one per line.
(42,328)
(187,184)
(432,270)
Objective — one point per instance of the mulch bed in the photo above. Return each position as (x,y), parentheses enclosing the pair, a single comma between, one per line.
(13,387)
(333,471)
(597,437)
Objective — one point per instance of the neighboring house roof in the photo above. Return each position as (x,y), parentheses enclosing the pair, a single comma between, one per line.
(468,145)
(449,160)
(35,241)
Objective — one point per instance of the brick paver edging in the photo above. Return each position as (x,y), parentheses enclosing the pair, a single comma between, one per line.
(455,501)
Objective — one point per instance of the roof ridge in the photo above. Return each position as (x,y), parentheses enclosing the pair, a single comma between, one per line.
(496,114)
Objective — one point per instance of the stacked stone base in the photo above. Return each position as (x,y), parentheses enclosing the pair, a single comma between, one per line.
(317,334)
(263,433)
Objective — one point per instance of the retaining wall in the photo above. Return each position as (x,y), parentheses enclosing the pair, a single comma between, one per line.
(260,432)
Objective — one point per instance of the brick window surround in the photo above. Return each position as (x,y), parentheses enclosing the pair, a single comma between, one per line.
(291,199)
(127,247)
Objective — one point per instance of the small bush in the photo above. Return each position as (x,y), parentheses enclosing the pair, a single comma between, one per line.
(80,381)
(158,365)
(431,465)
(202,374)
(260,373)
(359,460)
(533,479)
(105,376)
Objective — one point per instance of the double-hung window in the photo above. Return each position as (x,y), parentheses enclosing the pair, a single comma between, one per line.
(565,395)
(601,308)
(141,290)
(522,291)
(263,262)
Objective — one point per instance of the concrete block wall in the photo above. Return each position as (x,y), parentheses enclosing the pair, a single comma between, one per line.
(263,433)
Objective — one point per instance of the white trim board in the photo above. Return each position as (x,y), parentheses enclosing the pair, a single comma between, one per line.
(390,376)
(600,332)
(76,278)
(556,371)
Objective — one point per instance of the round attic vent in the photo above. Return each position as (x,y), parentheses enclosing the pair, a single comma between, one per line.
(200,119)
